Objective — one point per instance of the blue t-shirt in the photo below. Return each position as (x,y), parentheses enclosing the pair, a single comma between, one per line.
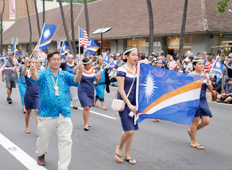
(228,88)
(229,70)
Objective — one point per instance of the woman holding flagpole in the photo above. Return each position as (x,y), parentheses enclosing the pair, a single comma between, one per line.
(203,111)
(126,76)
(31,97)
(86,89)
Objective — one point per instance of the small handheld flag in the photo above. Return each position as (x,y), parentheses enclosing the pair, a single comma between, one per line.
(92,48)
(64,50)
(83,37)
(218,69)
(167,94)
(46,36)
(14,49)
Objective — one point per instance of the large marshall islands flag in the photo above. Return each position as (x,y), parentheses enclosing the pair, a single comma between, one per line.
(46,36)
(167,95)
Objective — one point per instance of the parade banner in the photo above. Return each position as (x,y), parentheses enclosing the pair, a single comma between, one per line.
(167,95)
(12,9)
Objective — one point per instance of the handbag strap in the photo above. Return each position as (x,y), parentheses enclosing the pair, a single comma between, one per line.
(129,89)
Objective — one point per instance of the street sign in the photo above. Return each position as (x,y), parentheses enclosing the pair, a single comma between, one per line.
(12,41)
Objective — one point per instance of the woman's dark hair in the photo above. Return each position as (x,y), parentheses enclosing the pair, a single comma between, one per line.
(195,61)
(49,56)
(85,60)
(127,53)
(142,57)
(191,58)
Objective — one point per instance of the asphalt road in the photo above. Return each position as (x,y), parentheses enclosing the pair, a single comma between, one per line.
(159,146)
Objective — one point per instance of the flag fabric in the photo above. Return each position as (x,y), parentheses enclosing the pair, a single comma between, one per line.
(3,67)
(64,50)
(14,49)
(67,49)
(208,66)
(218,69)
(83,37)
(92,48)
(58,45)
(41,54)
(46,36)
(167,94)
(107,58)
(3,59)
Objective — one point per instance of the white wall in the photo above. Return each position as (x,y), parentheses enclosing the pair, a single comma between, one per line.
(48,5)
(201,43)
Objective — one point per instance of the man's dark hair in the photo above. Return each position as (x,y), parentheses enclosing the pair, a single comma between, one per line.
(49,56)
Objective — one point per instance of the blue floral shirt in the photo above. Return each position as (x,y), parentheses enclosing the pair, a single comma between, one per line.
(51,105)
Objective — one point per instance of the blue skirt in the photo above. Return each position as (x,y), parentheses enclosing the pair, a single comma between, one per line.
(203,109)
(31,102)
(126,121)
(86,99)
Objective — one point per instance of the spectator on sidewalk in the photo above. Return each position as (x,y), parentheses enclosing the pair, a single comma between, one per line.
(229,66)
(226,95)
(216,88)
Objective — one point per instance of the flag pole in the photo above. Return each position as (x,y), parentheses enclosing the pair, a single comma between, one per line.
(79,48)
(38,43)
(137,92)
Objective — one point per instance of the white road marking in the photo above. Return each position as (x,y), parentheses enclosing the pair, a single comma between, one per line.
(100,114)
(19,154)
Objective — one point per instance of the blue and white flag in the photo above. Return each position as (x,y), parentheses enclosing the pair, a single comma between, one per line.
(64,50)
(167,94)
(92,48)
(14,50)
(107,58)
(3,59)
(46,36)
(218,69)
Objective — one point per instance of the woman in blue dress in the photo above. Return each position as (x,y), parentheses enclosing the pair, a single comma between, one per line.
(125,76)
(203,111)
(86,89)
(22,85)
(31,97)
(101,85)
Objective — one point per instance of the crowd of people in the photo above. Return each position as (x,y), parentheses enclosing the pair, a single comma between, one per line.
(50,89)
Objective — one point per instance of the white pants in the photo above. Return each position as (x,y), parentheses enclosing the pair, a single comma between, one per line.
(45,130)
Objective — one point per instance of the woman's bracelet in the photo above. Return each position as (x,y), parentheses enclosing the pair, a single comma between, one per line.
(80,72)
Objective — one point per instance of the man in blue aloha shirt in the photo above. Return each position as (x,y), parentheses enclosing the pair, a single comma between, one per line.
(54,108)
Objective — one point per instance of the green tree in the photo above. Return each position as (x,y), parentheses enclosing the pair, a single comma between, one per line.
(221,6)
